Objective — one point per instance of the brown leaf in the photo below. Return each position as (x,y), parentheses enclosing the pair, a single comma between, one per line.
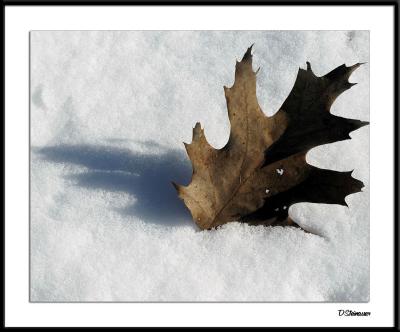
(262,170)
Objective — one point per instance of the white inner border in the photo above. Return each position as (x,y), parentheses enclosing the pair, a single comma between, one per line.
(20,20)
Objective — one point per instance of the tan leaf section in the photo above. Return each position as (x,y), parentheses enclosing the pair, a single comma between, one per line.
(262,170)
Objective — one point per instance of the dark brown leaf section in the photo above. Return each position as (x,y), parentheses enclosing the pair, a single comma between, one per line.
(307,107)
(321,186)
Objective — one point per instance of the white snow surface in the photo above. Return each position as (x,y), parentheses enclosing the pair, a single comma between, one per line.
(109,113)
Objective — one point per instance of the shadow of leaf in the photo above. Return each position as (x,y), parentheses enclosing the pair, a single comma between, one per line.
(145,176)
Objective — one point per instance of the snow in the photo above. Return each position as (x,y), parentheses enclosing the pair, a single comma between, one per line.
(109,113)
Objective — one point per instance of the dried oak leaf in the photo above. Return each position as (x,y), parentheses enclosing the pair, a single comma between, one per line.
(262,170)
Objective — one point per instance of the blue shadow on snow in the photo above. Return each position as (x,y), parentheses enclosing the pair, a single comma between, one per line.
(145,176)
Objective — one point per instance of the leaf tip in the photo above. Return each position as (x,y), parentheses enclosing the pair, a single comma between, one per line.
(349,70)
(247,56)
(197,131)
(357,124)
(176,186)
(226,90)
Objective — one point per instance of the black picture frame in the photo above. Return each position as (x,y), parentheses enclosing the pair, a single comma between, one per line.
(395,5)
